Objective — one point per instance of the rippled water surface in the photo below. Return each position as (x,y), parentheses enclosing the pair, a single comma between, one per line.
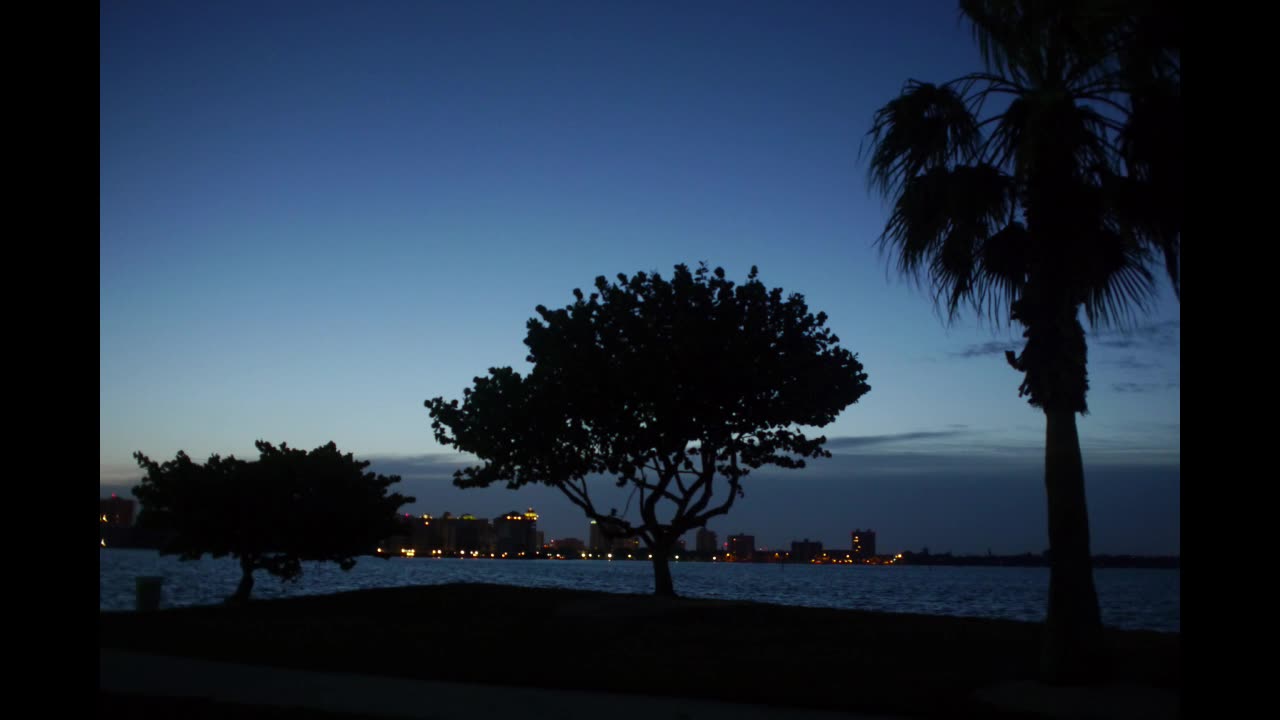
(1141,599)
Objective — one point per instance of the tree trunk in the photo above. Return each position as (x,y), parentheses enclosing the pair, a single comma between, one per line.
(241,595)
(662,585)
(1072,650)
(1054,362)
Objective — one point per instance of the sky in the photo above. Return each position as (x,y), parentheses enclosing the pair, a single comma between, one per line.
(316,215)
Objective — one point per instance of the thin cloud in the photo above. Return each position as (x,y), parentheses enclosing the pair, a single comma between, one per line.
(1132,387)
(993,347)
(119,475)
(1158,336)
(1131,362)
(428,466)
(861,441)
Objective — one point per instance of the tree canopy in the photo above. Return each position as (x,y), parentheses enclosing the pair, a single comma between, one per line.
(272,514)
(663,386)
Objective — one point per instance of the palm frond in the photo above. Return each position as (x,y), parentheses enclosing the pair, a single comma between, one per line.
(1037,126)
(1152,140)
(1005,262)
(1005,141)
(927,126)
(938,228)
(1150,212)
(999,31)
(1113,274)
(1074,188)
(1151,38)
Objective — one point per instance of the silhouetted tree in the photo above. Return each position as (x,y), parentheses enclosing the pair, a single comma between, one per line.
(664,386)
(1049,183)
(288,506)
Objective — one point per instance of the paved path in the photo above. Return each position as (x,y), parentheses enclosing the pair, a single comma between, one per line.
(1106,702)
(130,672)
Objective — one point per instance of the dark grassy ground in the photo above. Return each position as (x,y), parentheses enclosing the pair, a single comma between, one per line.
(741,652)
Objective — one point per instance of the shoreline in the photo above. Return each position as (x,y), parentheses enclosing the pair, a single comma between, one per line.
(1141,599)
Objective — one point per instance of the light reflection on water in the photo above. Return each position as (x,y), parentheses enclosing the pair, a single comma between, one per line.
(1136,599)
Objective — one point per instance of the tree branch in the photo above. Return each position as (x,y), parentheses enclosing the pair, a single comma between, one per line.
(578,497)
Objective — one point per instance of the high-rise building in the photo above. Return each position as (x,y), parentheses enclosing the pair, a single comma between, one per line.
(472,534)
(742,547)
(451,535)
(624,544)
(600,541)
(596,541)
(804,550)
(568,546)
(516,534)
(863,542)
(428,534)
(705,541)
(115,511)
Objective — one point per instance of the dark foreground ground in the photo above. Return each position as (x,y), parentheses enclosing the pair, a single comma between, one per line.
(549,638)
(117,705)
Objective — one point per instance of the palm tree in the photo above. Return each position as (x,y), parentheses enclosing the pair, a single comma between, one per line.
(1047,183)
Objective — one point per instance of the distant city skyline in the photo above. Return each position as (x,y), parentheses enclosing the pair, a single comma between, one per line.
(315,217)
(941,499)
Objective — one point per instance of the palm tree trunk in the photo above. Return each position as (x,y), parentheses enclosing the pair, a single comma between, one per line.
(1072,649)
(1054,363)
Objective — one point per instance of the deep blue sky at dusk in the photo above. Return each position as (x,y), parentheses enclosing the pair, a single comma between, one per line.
(314,216)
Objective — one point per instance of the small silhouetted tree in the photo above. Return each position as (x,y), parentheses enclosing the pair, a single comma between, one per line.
(271,514)
(675,388)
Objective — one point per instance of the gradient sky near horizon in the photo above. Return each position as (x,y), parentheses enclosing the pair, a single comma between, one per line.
(316,215)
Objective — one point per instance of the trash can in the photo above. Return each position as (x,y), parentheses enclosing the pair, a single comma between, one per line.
(149,592)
